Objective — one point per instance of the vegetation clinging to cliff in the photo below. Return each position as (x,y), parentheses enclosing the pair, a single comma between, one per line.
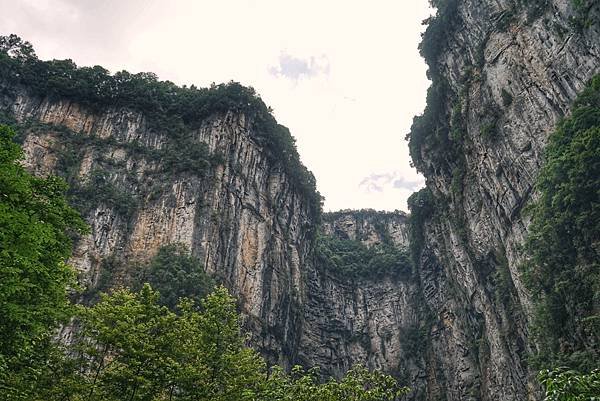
(354,259)
(421,205)
(167,108)
(564,270)
(431,130)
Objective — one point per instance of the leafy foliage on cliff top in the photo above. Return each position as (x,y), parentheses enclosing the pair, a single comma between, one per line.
(563,272)
(167,107)
(430,132)
(439,30)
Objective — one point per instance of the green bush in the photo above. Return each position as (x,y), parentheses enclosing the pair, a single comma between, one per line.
(354,259)
(563,272)
(439,29)
(175,274)
(567,385)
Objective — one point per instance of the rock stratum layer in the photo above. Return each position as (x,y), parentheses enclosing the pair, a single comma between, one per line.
(454,325)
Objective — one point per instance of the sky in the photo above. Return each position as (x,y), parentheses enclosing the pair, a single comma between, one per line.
(344,76)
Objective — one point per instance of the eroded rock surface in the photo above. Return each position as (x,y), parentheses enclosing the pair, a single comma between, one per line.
(455,328)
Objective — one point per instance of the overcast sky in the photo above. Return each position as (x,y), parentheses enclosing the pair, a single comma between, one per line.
(345,76)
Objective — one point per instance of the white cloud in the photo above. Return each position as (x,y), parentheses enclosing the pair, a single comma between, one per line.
(295,68)
(384,182)
(344,75)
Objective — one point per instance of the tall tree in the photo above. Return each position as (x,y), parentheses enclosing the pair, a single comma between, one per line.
(36,225)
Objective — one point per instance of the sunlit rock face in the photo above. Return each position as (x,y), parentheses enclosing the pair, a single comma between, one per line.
(241,216)
(455,327)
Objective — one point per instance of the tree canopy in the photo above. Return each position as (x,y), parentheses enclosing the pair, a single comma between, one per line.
(563,272)
(36,225)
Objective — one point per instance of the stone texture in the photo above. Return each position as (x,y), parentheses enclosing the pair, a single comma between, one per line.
(481,342)
(245,221)
(253,231)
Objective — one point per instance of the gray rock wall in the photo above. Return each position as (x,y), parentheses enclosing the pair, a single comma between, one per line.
(456,328)
(542,62)
(242,217)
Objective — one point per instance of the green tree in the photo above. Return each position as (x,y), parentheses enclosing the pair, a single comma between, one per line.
(359,384)
(563,272)
(132,348)
(232,371)
(36,225)
(567,385)
(175,274)
(126,347)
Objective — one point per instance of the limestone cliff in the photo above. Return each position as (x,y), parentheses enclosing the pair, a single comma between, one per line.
(504,73)
(239,212)
(453,321)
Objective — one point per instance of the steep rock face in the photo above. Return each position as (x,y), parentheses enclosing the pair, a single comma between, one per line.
(240,215)
(511,72)
(368,227)
(455,328)
(373,320)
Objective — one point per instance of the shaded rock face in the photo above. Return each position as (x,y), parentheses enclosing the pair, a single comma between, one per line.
(375,321)
(514,76)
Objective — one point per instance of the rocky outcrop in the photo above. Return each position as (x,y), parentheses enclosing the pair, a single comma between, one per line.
(510,71)
(240,215)
(454,326)
(368,226)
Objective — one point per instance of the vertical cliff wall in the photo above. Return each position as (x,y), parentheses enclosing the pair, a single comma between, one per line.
(504,73)
(236,208)
(238,212)
(331,291)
